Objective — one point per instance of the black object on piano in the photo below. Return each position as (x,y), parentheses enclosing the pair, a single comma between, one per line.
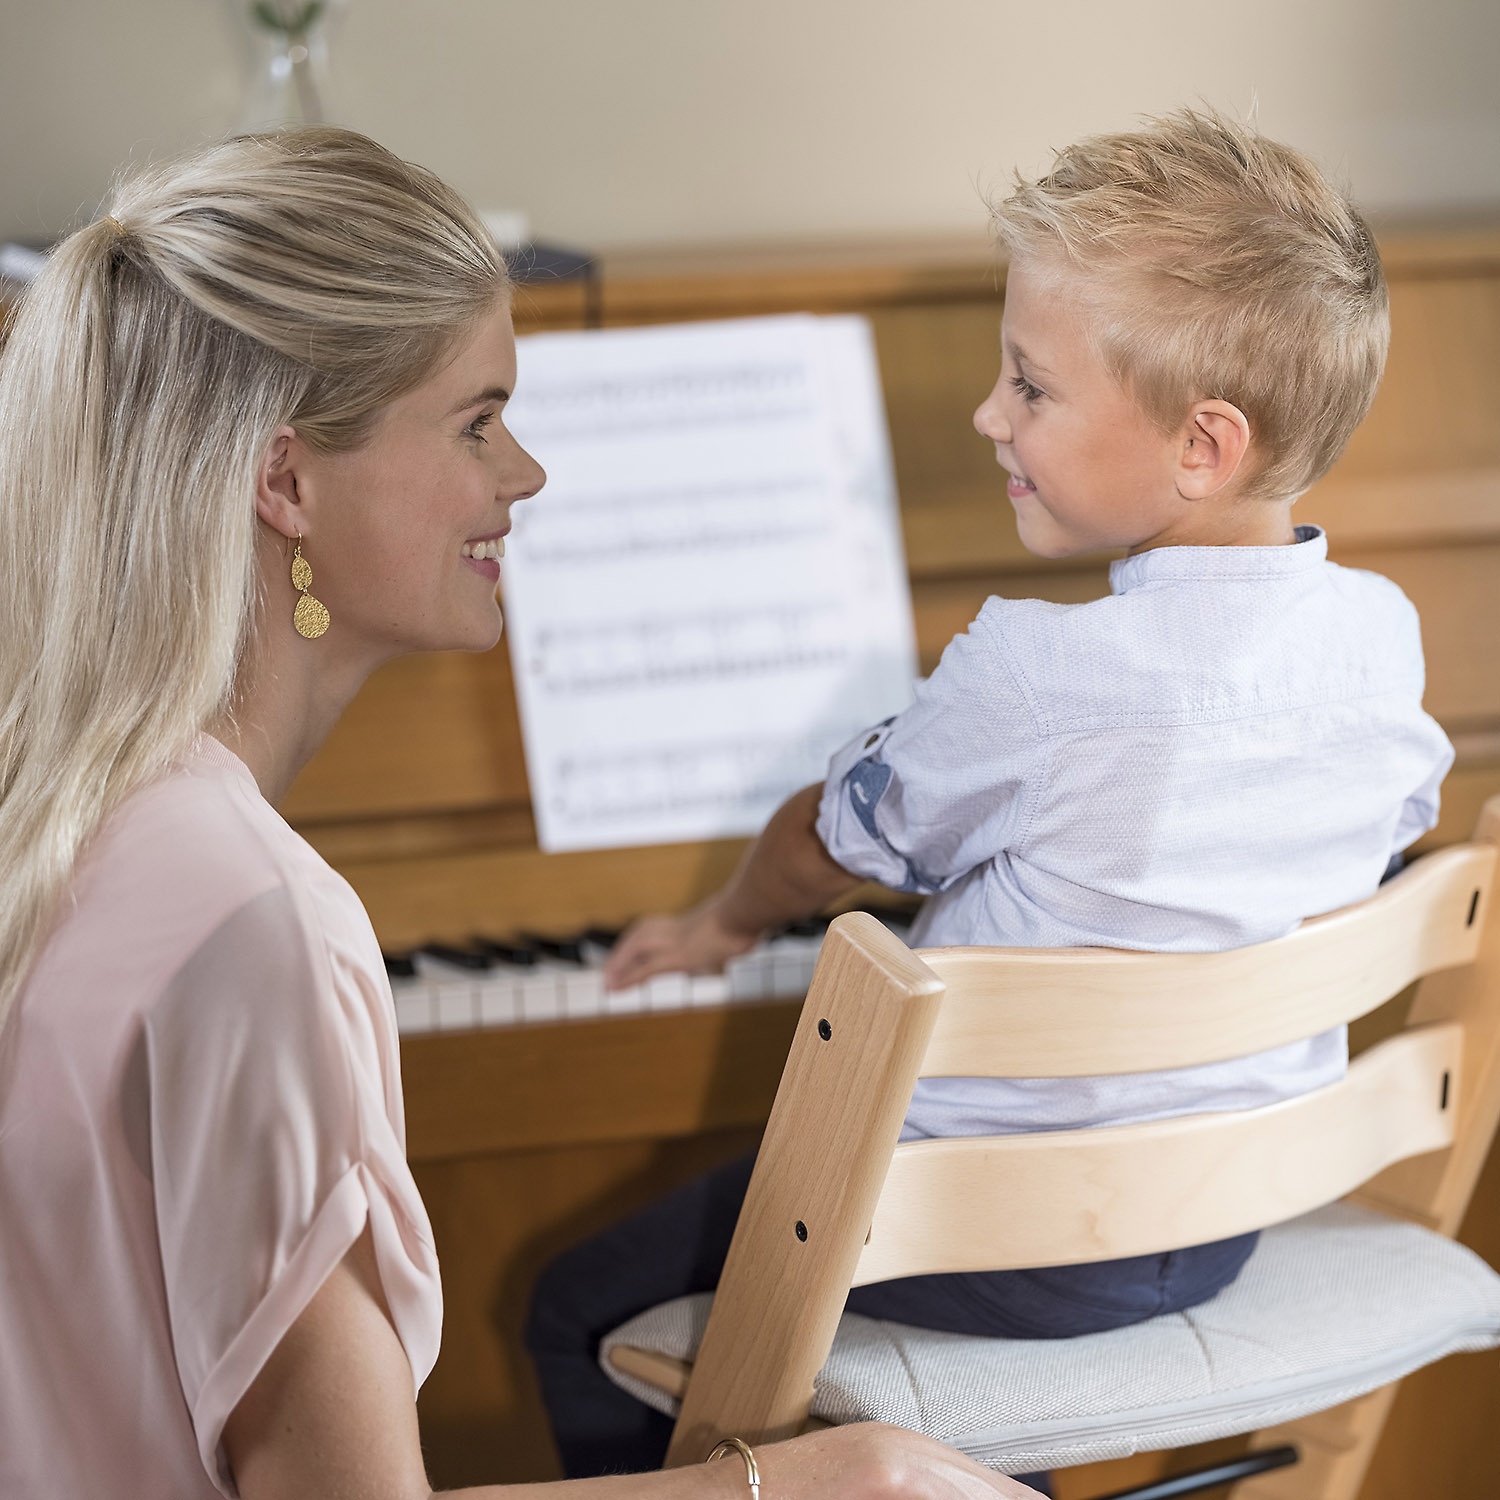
(807,927)
(460,958)
(568,950)
(517,955)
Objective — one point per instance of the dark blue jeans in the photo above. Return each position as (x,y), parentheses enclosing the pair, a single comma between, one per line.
(677,1245)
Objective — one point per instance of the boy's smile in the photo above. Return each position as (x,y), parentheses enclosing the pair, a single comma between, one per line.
(1089,470)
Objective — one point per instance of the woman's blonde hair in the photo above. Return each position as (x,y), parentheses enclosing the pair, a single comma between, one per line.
(305,278)
(1219,265)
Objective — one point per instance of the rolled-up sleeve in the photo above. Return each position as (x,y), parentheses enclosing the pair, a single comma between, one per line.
(921,799)
(272,1148)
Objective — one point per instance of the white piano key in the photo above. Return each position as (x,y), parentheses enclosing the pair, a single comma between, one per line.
(455,1005)
(541,998)
(627,1002)
(786,969)
(709,990)
(583,994)
(667,992)
(749,977)
(499,1001)
(414,1010)
(792,963)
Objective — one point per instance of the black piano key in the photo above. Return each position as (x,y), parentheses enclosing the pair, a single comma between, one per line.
(808,927)
(568,950)
(460,958)
(400,965)
(517,955)
(897,918)
(601,937)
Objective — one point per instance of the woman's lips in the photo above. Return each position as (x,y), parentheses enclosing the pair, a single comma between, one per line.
(1018,489)
(489,566)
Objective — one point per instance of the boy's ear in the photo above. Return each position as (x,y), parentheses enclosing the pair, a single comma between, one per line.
(278,496)
(1215,441)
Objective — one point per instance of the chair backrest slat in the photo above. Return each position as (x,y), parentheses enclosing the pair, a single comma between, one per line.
(997,1202)
(1036,1012)
(822,1160)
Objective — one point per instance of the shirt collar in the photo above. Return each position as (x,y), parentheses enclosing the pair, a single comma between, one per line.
(1192,564)
(217,753)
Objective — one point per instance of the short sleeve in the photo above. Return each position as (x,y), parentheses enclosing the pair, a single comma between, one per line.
(921,799)
(273,1143)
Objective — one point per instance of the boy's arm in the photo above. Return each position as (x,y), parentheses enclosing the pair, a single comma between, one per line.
(785,874)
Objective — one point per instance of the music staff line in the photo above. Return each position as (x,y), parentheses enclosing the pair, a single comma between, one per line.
(649,631)
(687,383)
(644,499)
(534,431)
(673,756)
(660,545)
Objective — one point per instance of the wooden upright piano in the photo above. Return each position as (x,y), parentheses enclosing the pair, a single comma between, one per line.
(526,1137)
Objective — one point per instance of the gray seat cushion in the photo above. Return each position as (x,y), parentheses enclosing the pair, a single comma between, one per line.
(1330,1306)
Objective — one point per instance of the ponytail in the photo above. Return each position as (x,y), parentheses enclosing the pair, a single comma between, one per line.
(307,279)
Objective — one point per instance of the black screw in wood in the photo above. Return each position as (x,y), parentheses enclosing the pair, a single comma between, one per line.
(825,1031)
(801,1231)
(1473,909)
(1443,1102)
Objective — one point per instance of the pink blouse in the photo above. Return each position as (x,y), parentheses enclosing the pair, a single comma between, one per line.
(200,1109)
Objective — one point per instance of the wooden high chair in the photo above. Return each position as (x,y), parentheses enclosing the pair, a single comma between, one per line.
(1339,1300)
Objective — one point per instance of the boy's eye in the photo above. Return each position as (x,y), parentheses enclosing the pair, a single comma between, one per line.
(475,429)
(1029,392)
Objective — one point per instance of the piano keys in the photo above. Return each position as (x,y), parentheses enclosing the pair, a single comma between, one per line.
(530,980)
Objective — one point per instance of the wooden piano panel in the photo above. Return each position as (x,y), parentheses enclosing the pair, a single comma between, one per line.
(428,734)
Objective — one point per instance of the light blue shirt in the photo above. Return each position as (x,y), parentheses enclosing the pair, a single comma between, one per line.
(1230,742)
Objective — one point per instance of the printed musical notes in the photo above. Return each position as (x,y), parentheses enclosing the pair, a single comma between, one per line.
(709,596)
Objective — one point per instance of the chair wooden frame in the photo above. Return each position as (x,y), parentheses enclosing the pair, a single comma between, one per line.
(836,1202)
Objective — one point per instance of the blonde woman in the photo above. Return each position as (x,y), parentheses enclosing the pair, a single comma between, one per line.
(252,444)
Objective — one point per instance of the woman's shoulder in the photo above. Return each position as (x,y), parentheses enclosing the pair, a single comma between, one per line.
(185,854)
(205,817)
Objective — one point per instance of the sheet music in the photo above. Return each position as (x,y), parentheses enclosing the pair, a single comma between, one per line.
(709,596)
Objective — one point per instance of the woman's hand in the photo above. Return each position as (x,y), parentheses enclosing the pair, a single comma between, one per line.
(698,942)
(873,1462)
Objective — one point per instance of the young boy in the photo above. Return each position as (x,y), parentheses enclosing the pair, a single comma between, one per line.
(1230,742)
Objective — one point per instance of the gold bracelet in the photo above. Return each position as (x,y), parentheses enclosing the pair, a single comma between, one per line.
(752,1469)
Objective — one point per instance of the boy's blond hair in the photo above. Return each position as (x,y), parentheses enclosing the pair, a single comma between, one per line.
(1225,266)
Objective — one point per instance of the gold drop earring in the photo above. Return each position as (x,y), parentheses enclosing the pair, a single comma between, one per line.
(311,616)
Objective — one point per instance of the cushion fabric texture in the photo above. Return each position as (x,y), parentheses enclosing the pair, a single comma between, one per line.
(1331,1305)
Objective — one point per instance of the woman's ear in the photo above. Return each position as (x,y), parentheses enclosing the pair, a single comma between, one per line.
(278,499)
(1215,440)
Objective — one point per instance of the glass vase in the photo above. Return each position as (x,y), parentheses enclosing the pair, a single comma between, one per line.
(288,44)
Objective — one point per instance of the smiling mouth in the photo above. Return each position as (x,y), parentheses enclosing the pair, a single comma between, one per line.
(1018,488)
(491,549)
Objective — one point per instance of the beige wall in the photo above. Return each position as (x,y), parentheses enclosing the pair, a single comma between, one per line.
(616,122)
